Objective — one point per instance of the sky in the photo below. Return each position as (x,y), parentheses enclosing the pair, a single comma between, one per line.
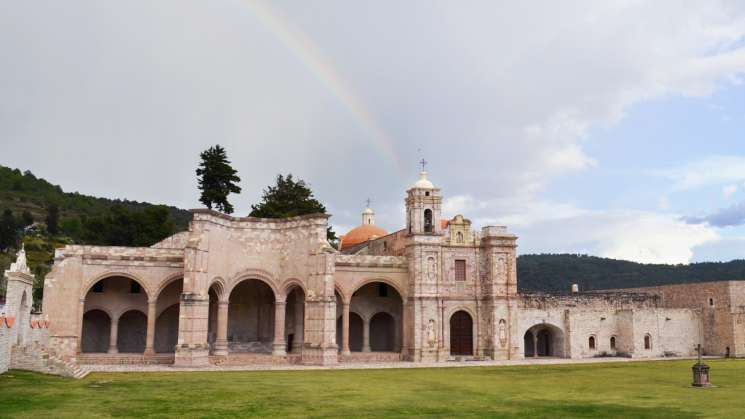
(609,128)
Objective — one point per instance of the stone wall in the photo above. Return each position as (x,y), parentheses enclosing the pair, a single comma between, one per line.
(5,330)
(722,308)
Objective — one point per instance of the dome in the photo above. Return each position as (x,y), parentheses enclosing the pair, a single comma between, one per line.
(423,182)
(361,234)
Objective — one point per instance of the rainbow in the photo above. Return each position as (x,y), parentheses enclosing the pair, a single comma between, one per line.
(309,54)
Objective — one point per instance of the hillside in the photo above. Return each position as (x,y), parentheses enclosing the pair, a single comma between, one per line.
(81,219)
(556,272)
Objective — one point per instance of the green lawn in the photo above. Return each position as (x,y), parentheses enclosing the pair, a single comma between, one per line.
(623,390)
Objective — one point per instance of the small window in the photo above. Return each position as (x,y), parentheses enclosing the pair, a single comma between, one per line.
(613,342)
(134,288)
(647,342)
(382,290)
(460,270)
(98,287)
(459,237)
(426,194)
(711,302)
(592,342)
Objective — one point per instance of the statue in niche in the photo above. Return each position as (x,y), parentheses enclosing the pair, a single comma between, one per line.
(502,332)
(431,333)
(431,268)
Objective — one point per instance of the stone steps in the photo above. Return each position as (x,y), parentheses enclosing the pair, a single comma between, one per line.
(124,359)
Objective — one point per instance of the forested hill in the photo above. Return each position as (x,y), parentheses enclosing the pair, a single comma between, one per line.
(556,272)
(23,191)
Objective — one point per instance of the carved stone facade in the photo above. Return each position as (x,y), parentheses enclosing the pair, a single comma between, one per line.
(236,290)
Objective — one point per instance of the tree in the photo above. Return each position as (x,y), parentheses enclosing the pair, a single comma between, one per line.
(289,198)
(217,179)
(52,219)
(27,218)
(8,230)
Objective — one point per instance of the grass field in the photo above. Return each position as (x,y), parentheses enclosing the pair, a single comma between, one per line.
(617,390)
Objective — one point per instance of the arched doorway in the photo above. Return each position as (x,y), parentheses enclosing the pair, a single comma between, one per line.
(132,332)
(96,331)
(295,320)
(543,340)
(382,333)
(167,317)
(379,308)
(114,294)
(251,317)
(461,333)
(23,319)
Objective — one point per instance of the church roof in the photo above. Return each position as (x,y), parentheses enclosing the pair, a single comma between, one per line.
(361,234)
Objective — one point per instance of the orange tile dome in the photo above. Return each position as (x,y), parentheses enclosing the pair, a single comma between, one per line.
(361,234)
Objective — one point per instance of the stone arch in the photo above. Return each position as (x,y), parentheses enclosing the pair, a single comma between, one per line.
(294,326)
(462,332)
(96,331)
(165,283)
(252,302)
(218,284)
(384,280)
(113,274)
(356,325)
(543,340)
(24,310)
(132,325)
(166,329)
(249,274)
(344,297)
(289,284)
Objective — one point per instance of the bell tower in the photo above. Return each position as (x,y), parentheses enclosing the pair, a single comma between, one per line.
(423,206)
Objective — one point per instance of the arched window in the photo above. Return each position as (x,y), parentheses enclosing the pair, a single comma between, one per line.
(613,342)
(647,342)
(459,237)
(591,342)
(711,302)
(428,220)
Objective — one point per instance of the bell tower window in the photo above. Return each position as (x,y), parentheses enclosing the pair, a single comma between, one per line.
(428,221)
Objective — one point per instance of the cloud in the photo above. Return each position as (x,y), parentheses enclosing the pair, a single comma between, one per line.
(118,101)
(731,216)
(709,171)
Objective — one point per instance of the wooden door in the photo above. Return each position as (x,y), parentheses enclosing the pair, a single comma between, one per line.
(461,334)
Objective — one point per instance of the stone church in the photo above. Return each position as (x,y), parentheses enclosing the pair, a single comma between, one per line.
(243,290)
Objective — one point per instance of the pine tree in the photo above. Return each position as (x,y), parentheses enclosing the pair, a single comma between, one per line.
(52,219)
(27,218)
(289,198)
(217,179)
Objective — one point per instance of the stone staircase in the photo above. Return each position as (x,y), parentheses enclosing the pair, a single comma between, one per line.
(125,359)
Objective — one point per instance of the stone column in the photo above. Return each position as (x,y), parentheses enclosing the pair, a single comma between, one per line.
(366,335)
(535,345)
(297,343)
(112,337)
(150,339)
(221,340)
(279,328)
(345,329)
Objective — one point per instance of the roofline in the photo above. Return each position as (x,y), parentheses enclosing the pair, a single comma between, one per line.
(258,219)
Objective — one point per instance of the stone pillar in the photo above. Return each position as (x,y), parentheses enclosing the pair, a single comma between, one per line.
(221,340)
(535,345)
(278,348)
(320,346)
(150,339)
(405,330)
(298,339)
(365,335)
(345,329)
(113,349)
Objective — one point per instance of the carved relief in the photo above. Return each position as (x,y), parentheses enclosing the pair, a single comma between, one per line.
(431,269)
(502,333)
(431,333)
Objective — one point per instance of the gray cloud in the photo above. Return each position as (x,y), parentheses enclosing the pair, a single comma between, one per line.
(731,216)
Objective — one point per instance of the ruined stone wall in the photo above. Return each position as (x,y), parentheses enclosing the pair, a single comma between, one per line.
(625,317)
(722,308)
